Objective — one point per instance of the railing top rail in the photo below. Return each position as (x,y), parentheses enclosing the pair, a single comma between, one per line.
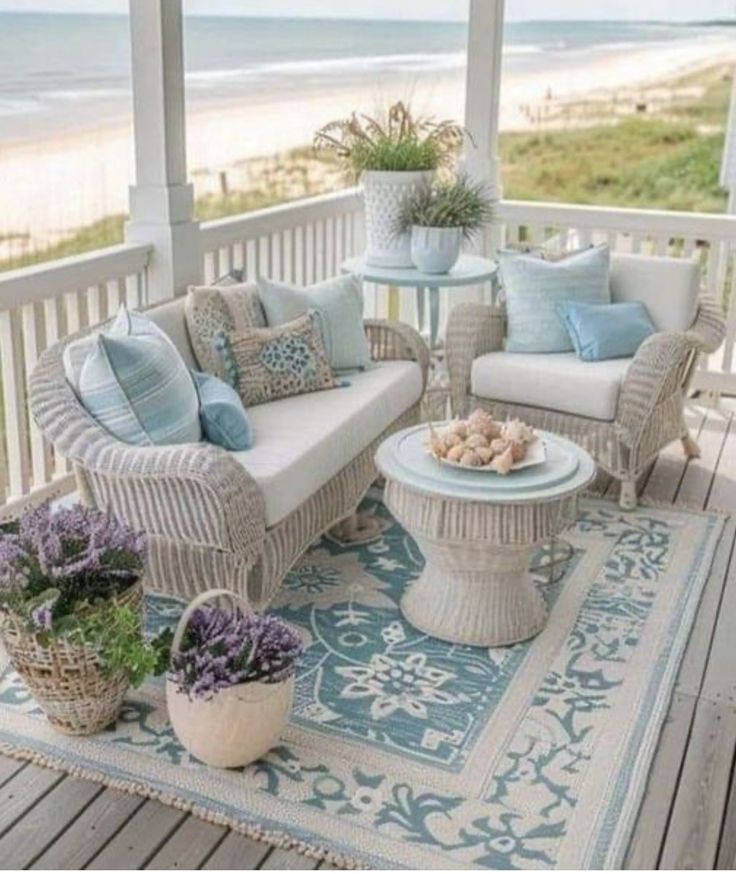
(50,279)
(231,229)
(684,224)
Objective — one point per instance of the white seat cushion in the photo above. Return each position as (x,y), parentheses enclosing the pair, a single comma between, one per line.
(668,287)
(553,381)
(301,442)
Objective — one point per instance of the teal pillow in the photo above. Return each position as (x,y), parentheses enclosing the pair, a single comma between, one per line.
(339,305)
(601,331)
(533,287)
(139,389)
(222,414)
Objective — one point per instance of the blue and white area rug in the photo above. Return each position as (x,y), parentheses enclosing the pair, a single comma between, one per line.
(404,751)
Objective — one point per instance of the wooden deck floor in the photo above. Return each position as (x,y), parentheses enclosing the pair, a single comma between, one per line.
(687,820)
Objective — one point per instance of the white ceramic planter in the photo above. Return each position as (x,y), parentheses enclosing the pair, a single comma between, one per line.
(384,193)
(235,727)
(435,250)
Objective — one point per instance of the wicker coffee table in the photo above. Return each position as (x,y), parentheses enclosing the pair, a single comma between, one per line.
(477,532)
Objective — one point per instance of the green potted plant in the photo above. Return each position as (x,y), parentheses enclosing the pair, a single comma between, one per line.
(439,216)
(393,157)
(70,613)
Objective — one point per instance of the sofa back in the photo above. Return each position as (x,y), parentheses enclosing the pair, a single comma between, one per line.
(170,318)
(668,287)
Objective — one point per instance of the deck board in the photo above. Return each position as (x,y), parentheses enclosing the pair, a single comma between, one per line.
(688,815)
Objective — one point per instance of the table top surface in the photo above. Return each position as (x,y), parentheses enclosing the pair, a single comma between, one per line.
(469,270)
(403,457)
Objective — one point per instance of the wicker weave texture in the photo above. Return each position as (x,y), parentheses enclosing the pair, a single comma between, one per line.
(66,679)
(650,406)
(202,511)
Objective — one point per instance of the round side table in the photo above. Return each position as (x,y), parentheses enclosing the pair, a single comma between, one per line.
(477,532)
(469,270)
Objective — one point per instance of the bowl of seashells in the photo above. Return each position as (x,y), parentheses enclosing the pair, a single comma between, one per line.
(481,443)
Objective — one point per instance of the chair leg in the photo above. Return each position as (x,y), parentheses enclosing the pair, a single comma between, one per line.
(628,499)
(690,446)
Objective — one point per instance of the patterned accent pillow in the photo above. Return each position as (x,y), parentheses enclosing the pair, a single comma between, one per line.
(264,364)
(214,310)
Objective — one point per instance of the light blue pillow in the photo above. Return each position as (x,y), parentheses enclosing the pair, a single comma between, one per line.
(601,331)
(339,305)
(222,414)
(140,390)
(533,287)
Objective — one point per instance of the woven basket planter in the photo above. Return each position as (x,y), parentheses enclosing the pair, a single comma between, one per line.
(66,679)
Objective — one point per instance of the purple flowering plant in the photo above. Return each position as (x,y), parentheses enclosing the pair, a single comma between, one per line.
(222,649)
(60,571)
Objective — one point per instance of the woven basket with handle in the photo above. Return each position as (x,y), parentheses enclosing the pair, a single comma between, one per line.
(237,725)
(67,679)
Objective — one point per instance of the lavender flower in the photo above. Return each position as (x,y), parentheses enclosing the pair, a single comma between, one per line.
(222,649)
(42,617)
(85,555)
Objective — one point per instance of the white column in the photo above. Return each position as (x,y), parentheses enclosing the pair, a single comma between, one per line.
(162,200)
(483,100)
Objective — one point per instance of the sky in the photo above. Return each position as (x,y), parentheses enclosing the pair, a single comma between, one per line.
(516,10)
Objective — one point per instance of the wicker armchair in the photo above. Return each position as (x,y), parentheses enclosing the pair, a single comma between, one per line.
(203,512)
(649,412)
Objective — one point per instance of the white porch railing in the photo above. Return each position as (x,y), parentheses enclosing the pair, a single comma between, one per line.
(38,306)
(711,239)
(301,242)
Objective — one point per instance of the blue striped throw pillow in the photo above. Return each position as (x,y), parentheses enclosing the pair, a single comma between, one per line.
(534,287)
(140,390)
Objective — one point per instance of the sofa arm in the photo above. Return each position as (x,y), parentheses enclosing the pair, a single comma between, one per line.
(397,341)
(190,492)
(472,330)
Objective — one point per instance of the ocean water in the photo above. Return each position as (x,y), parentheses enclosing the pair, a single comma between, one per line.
(60,71)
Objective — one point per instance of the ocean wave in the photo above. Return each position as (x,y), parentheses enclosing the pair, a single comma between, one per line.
(330,66)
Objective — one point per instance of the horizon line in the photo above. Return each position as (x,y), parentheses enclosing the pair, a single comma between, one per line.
(105,14)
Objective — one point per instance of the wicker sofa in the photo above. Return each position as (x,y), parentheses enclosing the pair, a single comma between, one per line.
(623,411)
(239,520)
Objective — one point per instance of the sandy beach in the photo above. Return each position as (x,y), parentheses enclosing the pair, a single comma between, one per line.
(53,185)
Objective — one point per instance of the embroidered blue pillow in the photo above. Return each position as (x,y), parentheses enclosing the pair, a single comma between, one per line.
(222,414)
(533,287)
(601,331)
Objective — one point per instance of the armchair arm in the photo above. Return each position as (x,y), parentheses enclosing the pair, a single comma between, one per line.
(656,376)
(397,341)
(190,492)
(661,368)
(472,330)
(709,328)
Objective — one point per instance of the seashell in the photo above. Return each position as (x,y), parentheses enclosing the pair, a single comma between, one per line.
(499,445)
(470,458)
(459,427)
(474,441)
(518,450)
(479,420)
(455,453)
(452,439)
(494,430)
(438,447)
(516,431)
(485,453)
(504,462)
